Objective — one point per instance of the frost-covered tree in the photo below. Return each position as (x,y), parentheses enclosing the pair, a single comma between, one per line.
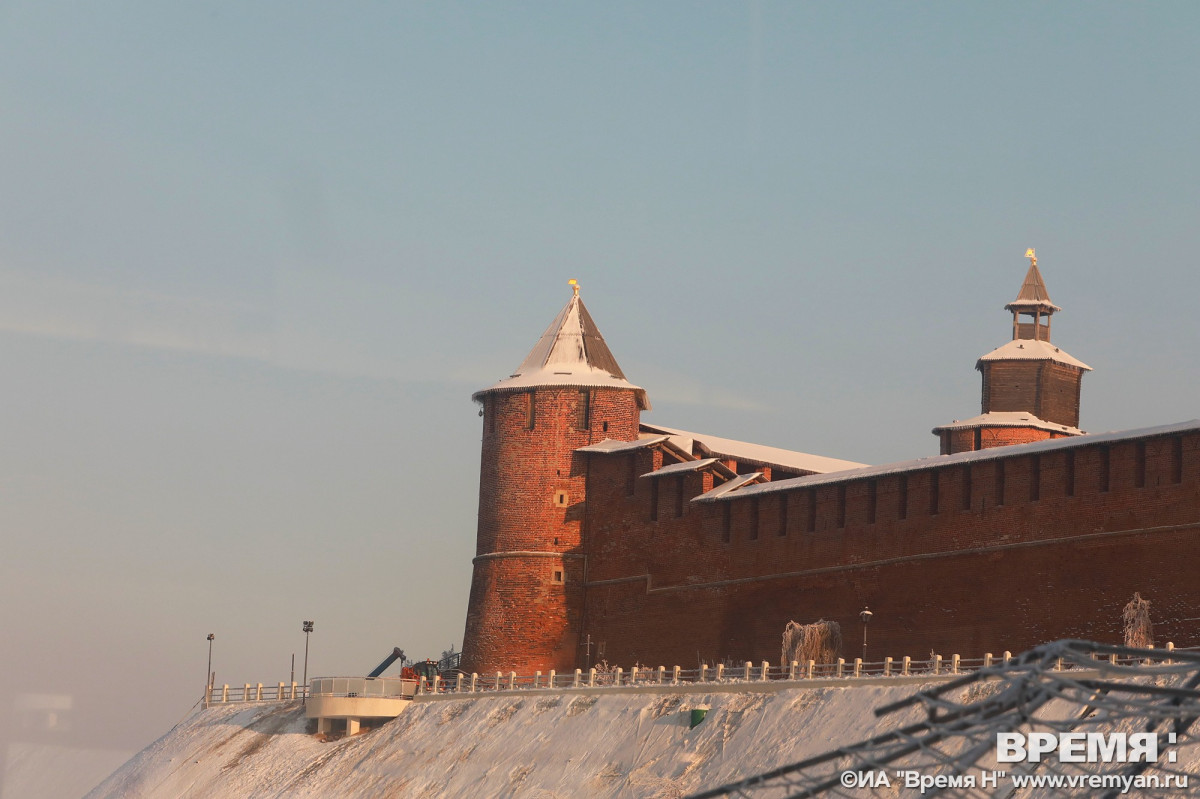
(1139,630)
(820,642)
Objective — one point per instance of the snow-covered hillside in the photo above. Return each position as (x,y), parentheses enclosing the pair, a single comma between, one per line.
(533,744)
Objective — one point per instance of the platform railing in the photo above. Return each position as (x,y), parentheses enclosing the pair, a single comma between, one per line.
(369,687)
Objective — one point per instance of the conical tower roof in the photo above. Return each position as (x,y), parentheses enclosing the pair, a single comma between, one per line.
(1033,292)
(570,353)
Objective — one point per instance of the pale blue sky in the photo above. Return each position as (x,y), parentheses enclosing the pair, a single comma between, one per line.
(254,259)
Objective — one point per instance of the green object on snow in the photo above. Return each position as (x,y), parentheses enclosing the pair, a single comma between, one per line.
(698,716)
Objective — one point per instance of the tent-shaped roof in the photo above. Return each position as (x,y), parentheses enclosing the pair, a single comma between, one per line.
(1033,293)
(570,353)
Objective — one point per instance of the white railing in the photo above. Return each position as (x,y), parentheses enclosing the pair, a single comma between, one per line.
(252,692)
(745,672)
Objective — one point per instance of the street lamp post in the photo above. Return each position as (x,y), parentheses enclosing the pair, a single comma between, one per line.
(865,615)
(208,672)
(308,628)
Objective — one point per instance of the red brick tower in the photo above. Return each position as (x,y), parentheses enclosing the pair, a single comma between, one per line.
(1030,387)
(526,602)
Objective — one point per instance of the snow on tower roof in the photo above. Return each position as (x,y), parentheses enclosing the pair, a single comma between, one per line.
(1009,419)
(1033,293)
(757,453)
(1027,349)
(570,353)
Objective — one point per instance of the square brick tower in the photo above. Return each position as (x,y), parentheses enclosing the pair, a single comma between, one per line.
(526,603)
(1030,387)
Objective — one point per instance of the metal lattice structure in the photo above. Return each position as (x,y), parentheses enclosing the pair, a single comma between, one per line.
(1055,689)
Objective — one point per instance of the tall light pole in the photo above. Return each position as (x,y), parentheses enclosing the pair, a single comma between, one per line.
(865,615)
(308,628)
(208,673)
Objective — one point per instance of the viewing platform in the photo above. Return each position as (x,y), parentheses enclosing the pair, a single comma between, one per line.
(352,699)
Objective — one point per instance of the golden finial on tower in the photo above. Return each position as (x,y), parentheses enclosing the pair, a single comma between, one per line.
(1032,256)
(573,283)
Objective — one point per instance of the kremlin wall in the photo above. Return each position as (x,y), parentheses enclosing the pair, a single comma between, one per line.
(605,538)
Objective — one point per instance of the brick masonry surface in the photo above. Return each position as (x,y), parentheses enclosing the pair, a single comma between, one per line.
(1048,390)
(526,604)
(588,556)
(984,556)
(992,554)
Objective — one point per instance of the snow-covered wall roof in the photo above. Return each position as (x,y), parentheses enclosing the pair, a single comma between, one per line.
(608,446)
(729,486)
(680,468)
(981,455)
(758,454)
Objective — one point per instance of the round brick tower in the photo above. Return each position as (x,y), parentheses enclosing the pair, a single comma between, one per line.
(526,602)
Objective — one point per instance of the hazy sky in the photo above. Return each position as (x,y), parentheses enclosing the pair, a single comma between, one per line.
(254,259)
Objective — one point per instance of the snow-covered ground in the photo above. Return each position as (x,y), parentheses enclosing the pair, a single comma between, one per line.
(539,745)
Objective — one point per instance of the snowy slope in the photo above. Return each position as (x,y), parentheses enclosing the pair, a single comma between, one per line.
(539,745)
